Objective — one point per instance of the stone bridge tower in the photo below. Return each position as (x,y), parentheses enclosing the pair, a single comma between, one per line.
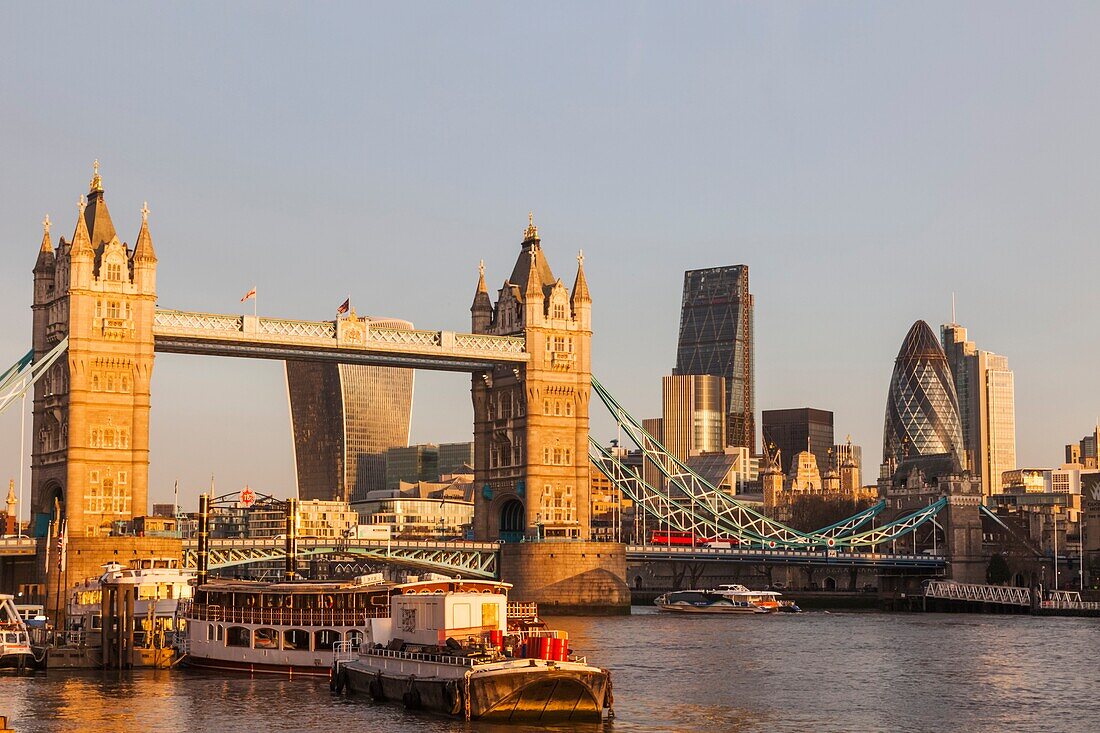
(531,423)
(90,452)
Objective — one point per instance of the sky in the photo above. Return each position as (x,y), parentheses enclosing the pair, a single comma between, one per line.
(865,160)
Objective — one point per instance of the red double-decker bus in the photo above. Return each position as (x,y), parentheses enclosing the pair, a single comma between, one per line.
(689,539)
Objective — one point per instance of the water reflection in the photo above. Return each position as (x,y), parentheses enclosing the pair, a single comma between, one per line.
(817,671)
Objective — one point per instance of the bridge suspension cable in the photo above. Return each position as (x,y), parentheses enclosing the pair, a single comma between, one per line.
(701,508)
(729,513)
(24,373)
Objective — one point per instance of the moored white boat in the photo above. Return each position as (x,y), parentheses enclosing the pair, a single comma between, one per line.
(15,644)
(447,647)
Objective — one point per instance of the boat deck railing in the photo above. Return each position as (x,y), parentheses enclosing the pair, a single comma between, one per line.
(517,610)
(281,616)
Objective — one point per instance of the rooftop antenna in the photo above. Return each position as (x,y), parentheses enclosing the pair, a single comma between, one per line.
(953,321)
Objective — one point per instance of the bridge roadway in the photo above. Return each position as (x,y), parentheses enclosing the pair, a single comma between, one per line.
(480,559)
(345,340)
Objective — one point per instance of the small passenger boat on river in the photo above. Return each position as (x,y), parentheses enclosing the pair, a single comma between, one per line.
(15,644)
(725,599)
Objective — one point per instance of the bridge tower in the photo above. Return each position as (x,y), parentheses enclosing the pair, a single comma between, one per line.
(531,442)
(90,452)
(531,422)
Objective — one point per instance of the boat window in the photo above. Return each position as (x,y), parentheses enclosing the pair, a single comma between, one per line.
(325,639)
(296,639)
(271,600)
(266,639)
(355,637)
(238,636)
(160,563)
(210,632)
(97,622)
(221,632)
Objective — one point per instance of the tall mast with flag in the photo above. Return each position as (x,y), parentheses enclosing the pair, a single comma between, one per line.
(251,295)
(344,307)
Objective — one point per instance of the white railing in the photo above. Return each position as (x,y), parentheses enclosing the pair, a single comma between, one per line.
(977,592)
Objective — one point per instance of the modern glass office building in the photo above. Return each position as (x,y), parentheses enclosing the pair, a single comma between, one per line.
(344,417)
(795,430)
(987,407)
(716,337)
(922,411)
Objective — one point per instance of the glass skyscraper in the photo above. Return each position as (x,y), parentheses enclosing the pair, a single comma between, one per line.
(922,410)
(343,418)
(716,338)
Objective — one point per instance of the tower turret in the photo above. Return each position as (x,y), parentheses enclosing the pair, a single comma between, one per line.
(581,300)
(45,265)
(145,257)
(533,296)
(481,312)
(81,254)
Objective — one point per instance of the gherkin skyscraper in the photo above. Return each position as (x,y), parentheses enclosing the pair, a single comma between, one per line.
(922,410)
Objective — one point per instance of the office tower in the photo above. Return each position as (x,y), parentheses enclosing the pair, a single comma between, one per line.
(791,431)
(1084,452)
(922,411)
(455,458)
(343,418)
(412,464)
(716,338)
(694,419)
(987,413)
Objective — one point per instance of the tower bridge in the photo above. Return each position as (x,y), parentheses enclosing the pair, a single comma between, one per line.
(97,328)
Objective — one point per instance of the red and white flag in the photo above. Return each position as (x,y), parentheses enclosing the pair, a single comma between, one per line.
(62,544)
(249,295)
(343,307)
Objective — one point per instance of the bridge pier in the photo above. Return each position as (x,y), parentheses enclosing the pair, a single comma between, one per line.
(572,578)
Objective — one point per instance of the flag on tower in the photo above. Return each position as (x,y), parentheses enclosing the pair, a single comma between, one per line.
(344,307)
(250,294)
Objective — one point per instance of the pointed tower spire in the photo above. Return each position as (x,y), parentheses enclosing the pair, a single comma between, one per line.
(481,312)
(580,285)
(534,279)
(45,252)
(82,243)
(97,218)
(143,249)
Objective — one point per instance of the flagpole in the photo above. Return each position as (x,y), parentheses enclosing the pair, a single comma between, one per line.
(255,298)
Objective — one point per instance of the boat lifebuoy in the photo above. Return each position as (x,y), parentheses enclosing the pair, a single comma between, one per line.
(289,602)
(329,601)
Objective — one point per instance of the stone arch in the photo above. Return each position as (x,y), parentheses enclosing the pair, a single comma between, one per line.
(829,583)
(52,491)
(513,519)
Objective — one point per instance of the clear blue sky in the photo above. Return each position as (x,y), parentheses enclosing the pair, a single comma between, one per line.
(865,160)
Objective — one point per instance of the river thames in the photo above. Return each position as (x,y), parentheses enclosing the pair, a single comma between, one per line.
(814,672)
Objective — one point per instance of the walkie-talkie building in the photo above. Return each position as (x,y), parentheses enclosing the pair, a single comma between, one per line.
(716,337)
(922,410)
(344,417)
